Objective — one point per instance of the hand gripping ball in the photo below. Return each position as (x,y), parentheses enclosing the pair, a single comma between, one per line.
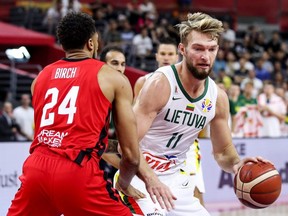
(257,185)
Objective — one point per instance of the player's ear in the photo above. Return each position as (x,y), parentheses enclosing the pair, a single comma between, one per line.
(181,48)
(90,44)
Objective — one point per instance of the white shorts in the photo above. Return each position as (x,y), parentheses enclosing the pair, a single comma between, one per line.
(194,167)
(180,184)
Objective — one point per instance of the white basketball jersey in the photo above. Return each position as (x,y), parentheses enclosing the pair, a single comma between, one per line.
(178,124)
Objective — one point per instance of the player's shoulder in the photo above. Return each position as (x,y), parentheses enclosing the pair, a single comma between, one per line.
(109,75)
(222,94)
(158,79)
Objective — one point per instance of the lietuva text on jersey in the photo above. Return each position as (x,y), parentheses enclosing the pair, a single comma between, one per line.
(185,118)
(65,73)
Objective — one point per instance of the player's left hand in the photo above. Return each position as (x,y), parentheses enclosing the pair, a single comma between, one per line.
(237,166)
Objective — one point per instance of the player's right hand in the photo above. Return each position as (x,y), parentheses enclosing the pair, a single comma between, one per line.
(160,192)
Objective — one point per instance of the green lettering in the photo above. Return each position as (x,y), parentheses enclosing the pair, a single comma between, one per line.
(166,116)
(200,121)
(191,120)
(184,118)
(177,116)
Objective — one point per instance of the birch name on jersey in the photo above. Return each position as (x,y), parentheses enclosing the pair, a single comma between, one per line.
(185,118)
(64,73)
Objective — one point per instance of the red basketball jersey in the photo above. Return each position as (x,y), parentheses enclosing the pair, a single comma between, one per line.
(71,112)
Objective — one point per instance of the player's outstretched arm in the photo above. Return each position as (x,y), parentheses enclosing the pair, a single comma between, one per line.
(124,120)
(223,149)
(151,99)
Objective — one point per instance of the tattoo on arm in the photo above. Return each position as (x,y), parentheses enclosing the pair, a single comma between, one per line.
(112,146)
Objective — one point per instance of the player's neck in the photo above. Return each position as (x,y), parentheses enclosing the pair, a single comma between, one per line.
(78,54)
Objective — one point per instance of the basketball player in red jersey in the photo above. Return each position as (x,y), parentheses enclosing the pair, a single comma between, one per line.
(72,99)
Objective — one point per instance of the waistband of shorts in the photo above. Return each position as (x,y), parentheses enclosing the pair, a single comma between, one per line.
(48,151)
(45,150)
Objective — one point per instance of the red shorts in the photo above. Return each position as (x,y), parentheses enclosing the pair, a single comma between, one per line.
(54,185)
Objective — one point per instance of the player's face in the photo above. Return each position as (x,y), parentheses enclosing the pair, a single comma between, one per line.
(166,55)
(116,60)
(199,54)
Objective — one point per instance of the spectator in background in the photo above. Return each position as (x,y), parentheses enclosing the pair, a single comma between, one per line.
(278,68)
(231,63)
(70,5)
(273,110)
(24,116)
(100,22)
(260,44)
(225,79)
(219,64)
(8,125)
(184,5)
(281,92)
(142,45)
(267,64)
(241,70)
(282,57)
(110,12)
(111,35)
(233,94)
(53,16)
(278,79)
(229,34)
(246,97)
(134,16)
(166,54)
(127,34)
(274,44)
(58,10)
(257,83)
(248,119)
(147,9)
(261,72)
(147,6)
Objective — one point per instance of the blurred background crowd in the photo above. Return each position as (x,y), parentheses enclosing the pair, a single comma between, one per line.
(251,65)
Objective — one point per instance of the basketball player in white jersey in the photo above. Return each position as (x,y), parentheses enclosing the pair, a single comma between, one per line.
(167,54)
(174,105)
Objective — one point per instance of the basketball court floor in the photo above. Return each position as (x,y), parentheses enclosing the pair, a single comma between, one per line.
(274,210)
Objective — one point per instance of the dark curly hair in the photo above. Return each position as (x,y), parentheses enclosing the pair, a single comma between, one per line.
(75,29)
(109,48)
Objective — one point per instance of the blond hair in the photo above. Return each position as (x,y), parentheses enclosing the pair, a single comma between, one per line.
(200,22)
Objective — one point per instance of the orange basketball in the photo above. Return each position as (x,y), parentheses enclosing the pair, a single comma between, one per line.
(257,185)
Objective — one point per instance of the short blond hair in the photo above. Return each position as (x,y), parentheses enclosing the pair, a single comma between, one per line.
(200,22)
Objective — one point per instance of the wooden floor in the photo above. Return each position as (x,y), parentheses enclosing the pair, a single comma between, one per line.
(277,210)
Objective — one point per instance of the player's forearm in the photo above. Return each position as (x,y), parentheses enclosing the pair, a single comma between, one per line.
(145,173)
(227,159)
(112,159)
(128,170)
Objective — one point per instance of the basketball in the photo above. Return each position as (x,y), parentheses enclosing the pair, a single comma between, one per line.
(257,185)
